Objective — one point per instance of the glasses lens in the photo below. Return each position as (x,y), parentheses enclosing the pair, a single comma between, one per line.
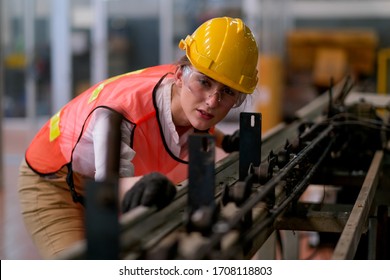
(205,87)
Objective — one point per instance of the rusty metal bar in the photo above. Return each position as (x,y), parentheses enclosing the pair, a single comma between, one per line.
(349,240)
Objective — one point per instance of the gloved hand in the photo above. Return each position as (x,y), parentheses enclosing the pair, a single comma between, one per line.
(152,189)
(231,143)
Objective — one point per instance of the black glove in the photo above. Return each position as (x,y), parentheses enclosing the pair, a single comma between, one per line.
(231,143)
(152,189)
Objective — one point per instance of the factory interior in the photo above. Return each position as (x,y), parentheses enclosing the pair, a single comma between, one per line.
(310,53)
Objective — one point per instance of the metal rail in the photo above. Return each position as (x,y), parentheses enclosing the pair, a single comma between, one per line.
(357,222)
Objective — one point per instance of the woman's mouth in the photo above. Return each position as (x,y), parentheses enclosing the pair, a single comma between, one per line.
(204,115)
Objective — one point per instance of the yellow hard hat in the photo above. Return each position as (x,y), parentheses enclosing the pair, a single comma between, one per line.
(225,50)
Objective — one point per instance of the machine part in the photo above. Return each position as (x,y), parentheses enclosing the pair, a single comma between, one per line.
(102,225)
(250,142)
(248,234)
(250,158)
(201,206)
(348,242)
(238,192)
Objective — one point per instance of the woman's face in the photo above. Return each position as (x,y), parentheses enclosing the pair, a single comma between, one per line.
(204,101)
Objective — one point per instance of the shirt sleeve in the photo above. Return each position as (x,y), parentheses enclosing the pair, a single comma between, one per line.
(126,167)
(100,142)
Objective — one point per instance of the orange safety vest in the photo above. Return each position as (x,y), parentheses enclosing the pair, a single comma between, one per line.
(133,96)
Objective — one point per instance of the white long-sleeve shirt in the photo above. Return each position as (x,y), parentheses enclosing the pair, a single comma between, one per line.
(89,157)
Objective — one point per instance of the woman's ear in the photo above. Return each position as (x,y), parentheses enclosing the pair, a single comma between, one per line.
(179,76)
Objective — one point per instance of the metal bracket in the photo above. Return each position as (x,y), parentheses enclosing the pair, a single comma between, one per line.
(101,218)
(201,183)
(250,143)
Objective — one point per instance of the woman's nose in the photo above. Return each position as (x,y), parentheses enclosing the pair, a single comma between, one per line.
(213,99)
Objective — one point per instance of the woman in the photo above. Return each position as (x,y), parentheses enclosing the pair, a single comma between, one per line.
(161,106)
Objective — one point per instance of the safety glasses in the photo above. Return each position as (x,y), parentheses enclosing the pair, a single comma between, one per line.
(202,86)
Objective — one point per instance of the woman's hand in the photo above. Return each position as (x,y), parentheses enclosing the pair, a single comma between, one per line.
(153,189)
(231,143)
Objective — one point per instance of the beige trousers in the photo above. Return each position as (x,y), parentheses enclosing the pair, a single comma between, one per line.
(51,217)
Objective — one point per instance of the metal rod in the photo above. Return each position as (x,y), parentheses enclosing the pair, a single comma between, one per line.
(349,240)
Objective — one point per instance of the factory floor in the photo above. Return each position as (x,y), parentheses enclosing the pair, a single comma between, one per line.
(15,242)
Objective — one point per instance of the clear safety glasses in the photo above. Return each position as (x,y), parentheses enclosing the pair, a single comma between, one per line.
(202,86)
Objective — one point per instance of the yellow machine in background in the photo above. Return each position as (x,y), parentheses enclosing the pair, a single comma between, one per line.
(383,74)
(321,55)
(332,53)
(271,85)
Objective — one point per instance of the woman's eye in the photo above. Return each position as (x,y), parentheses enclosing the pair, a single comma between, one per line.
(204,82)
(228,91)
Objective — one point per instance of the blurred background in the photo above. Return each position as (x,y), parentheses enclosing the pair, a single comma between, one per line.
(52,50)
